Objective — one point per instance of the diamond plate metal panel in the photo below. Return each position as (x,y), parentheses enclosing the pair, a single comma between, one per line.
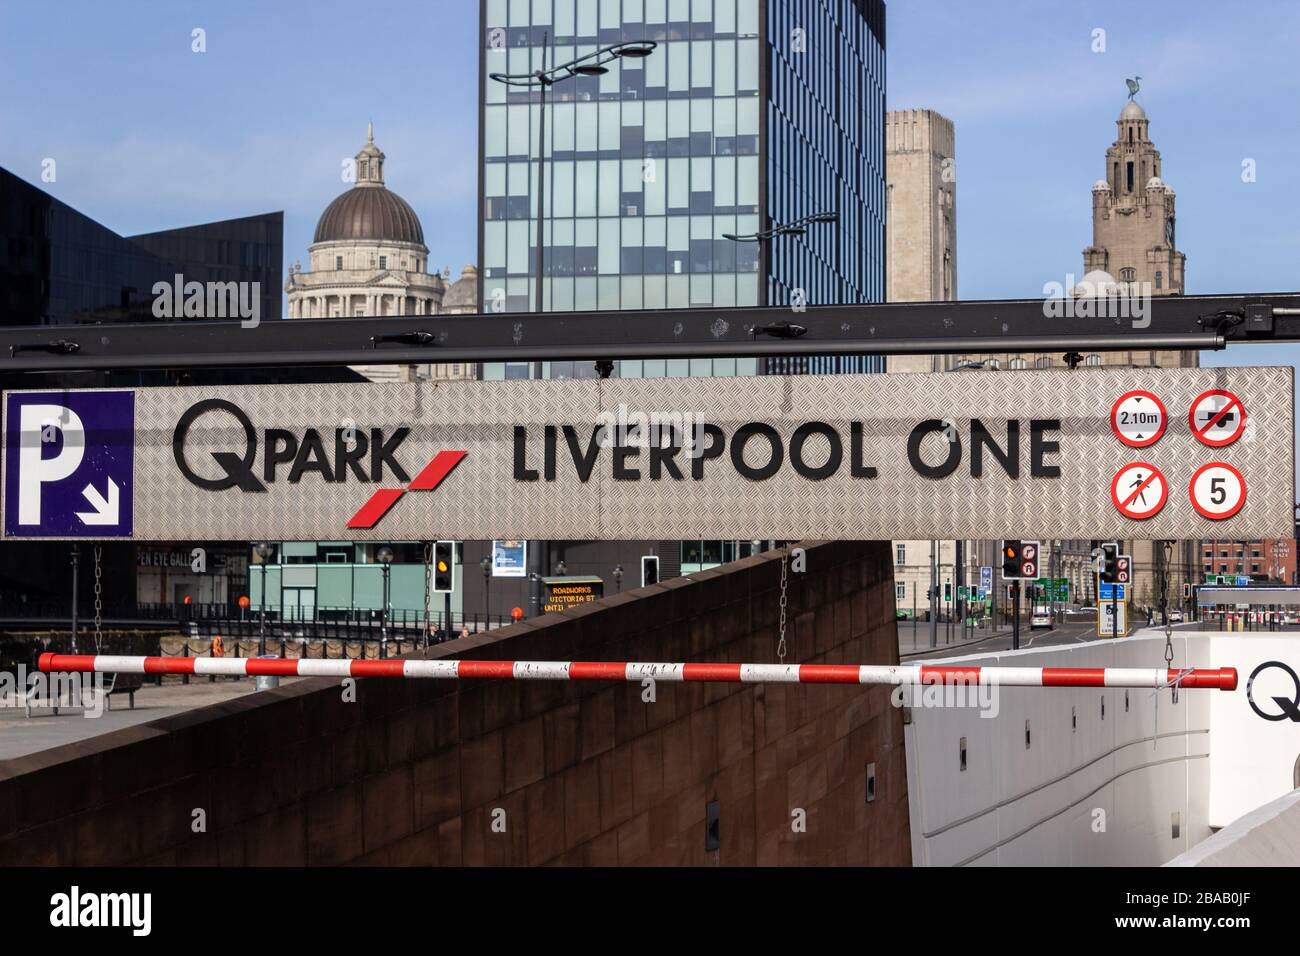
(482,499)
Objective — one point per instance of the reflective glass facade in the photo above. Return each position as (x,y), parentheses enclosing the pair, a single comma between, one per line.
(58,266)
(747,112)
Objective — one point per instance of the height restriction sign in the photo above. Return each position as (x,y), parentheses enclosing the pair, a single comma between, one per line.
(1217,418)
(1218,490)
(1138,418)
(1139,490)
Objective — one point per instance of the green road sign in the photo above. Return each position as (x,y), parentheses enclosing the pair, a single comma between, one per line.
(1054,589)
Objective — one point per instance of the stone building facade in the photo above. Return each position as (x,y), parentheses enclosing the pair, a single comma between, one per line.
(921,266)
(1133,251)
(368,258)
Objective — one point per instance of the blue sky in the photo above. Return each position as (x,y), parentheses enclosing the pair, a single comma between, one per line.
(149,135)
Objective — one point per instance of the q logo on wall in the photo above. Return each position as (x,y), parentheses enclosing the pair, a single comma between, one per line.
(1279,682)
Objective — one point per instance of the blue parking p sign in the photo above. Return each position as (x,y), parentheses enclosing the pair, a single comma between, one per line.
(69,461)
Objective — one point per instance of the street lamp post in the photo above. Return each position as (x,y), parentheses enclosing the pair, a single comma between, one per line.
(385,557)
(796,228)
(592,64)
(618,579)
(263,551)
(76,559)
(486,565)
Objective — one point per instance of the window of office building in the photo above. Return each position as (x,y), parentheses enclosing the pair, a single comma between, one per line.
(702,555)
(900,554)
(647,167)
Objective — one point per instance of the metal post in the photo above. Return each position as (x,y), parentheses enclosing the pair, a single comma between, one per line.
(261,618)
(446,613)
(383,618)
(933,602)
(1015,621)
(535,547)
(993,595)
(947,610)
(961,581)
(1114,603)
(76,557)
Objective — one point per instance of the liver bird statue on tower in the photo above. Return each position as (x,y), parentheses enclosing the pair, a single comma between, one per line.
(1133,86)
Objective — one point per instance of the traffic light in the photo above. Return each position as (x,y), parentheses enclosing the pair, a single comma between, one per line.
(1011,559)
(947,591)
(1109,563)
(1187,590)
(1020,560)
(444,565)
(649,569)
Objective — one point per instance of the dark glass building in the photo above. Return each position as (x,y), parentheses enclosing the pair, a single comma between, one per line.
(748,113)
(250,249)
(58,266)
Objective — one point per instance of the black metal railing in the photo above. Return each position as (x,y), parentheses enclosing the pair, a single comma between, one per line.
(355,635)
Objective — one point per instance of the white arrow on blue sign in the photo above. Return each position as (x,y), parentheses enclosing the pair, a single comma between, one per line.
(69,464)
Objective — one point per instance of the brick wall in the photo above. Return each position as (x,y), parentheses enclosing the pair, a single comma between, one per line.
(416,772)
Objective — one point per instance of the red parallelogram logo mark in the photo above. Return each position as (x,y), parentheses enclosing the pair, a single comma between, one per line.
(427,480)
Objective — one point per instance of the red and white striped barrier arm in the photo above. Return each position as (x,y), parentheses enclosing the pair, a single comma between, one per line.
(1223,678)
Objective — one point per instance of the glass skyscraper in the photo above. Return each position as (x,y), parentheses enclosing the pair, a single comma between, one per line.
(748,113)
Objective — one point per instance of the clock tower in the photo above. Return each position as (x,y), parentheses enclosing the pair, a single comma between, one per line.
(1134,236)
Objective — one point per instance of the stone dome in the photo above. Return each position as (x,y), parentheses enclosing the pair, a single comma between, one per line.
(1095,283)
(462,295)
(369,212)
(1132,111)
(1155,182)
(1101,186)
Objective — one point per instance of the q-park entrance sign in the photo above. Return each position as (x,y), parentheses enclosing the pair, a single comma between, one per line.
(843,456)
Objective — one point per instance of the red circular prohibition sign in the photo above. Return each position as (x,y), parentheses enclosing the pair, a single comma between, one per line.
(1121,505)
(1216,516)
(1114,423)
(1200,433)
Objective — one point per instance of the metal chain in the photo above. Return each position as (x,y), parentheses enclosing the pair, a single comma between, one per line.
(99,594)
(780,644)
(1169,628)
(428,589)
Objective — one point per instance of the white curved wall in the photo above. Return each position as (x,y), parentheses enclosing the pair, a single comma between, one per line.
(1138,765)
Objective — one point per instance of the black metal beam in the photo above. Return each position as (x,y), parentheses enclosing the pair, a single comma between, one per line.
(1170,322)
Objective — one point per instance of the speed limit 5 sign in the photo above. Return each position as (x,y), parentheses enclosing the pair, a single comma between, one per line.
(1217,490)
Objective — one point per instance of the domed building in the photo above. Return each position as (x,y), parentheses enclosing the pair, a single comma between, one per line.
(462,295)
(368,258)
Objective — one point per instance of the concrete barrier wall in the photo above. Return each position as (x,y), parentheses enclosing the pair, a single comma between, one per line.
(1092,788)
(1266,836)
(417,772)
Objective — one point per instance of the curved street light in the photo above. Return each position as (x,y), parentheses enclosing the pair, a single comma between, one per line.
(591,64)
(796,228)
